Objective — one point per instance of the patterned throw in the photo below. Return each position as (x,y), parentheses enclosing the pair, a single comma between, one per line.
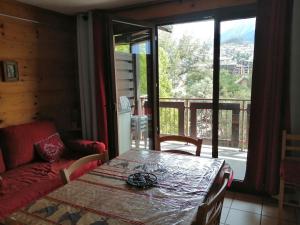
(102,196)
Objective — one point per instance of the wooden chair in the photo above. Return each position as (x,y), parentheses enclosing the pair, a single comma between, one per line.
(289,169)
(196,142)
(66,173)
(10,221)
(209,213)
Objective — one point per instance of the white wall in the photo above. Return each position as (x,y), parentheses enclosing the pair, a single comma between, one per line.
(295,69)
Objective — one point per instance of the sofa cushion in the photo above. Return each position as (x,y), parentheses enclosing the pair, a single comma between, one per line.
(86,147)
(2,164)
(29,182)
(66,162)
(1,182)
(51,148)
(17,142)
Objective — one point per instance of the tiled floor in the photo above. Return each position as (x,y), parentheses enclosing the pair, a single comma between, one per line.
(243,209)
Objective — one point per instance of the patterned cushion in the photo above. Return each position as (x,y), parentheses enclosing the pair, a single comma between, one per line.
(51,148)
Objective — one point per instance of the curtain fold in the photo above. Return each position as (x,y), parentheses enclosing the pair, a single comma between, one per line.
(270,98)
(86,76)
(91,79)
(100,48)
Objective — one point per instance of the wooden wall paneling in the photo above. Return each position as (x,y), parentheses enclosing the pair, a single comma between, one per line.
(13,102)
(45,50)
(43,16)
(18,117)
(36,51)
(175,8)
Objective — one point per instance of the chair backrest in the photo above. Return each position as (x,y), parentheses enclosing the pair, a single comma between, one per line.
(290,146)
(197,142)
(10,221)
(66,173)
(209,213)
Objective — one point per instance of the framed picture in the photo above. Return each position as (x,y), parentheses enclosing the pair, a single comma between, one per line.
(10,71)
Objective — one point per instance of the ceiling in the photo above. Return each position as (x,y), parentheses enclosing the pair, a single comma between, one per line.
(76,6)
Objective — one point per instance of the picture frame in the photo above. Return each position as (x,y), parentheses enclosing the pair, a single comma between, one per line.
(10,71)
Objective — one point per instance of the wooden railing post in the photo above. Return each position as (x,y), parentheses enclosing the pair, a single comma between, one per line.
(235,127)
(180,107)
(193,120)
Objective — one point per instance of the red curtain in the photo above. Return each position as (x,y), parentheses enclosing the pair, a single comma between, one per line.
(270,99)
(99,51)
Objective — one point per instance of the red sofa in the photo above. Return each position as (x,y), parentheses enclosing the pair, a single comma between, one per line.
(25,176)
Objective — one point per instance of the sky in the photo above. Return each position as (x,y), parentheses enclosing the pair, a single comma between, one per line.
(204,30)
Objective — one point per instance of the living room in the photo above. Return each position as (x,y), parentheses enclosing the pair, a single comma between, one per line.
(91,77)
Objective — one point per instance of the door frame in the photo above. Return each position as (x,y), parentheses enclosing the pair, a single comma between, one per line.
(218,15)
(112,96)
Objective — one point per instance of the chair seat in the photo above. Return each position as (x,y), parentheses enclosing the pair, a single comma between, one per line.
(289,171)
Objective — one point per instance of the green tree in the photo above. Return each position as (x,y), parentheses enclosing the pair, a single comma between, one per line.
(165,87)
(189,65)
(231,88)
(122,48)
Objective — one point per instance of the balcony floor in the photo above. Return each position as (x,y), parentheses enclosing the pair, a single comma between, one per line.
(233,156)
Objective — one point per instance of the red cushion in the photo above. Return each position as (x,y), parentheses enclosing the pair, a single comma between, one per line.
(2,164)
(64,163)
(51,148)
(86,147)
(289,170)
(17,141)
(1,183)
(32,181)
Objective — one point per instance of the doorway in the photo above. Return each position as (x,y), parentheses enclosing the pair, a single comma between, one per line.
(205,78)
(133,74)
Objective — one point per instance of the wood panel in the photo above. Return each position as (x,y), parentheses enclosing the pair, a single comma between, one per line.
(175,8)
(28,12)
(46,54)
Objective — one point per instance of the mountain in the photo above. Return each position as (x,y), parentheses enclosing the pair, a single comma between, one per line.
(240,32)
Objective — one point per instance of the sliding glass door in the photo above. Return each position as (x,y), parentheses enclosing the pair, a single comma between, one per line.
(235,82)
(186,81)
(205,78)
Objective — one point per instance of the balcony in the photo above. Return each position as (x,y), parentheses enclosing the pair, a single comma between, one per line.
(193,117)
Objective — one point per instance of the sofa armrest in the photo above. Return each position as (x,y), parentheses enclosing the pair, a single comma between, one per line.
(86,147)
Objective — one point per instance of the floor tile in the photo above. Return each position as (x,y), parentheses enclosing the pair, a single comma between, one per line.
(237,217)
(227,202)
(265,220)
(224,214)
(230,194)
(247,197)
(247,203)
(271,210)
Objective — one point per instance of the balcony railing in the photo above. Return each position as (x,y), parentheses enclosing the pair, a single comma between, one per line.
(193,117)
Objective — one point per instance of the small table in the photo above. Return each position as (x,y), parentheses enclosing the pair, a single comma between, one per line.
(103,197)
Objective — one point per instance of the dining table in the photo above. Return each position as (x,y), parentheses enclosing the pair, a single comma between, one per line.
(104,197)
